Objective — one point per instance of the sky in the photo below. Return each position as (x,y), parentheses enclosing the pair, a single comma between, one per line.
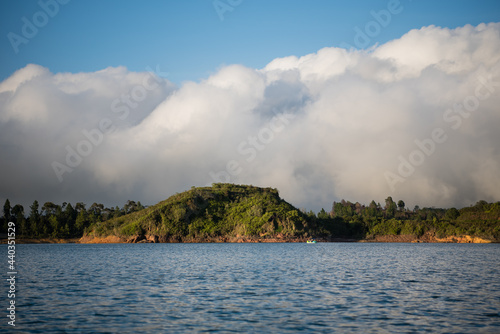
(106,101)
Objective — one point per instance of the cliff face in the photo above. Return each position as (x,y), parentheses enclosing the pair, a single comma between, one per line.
(280,238)
(464,239)
(427,237)
(215,239)
(110,239)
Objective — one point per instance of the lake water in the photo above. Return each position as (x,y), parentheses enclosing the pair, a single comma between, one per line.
(258,288)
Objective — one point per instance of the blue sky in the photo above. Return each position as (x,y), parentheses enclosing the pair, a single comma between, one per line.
(348,124)
(188,39)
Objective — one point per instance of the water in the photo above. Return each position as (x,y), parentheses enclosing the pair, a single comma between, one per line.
(258,288)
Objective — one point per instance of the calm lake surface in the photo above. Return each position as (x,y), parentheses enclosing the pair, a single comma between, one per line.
(258,288)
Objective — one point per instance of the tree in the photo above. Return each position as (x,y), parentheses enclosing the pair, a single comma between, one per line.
(6,210)
(34,219)
(117,212)
(55,225)
(49,209)
(79,207)
(18,213)
(371,210)
(401,205)
(107,213)
(70,218)
(358,208)
(452,214)
(481,205)
(323,214)
(82,221)
(390,207)
(132,206)
(95,211)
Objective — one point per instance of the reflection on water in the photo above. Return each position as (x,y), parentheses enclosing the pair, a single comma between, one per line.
(272,288)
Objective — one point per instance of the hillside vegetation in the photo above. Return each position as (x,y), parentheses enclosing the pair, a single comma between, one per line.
(232,213)
(227,211)
(202,213)
(427,224)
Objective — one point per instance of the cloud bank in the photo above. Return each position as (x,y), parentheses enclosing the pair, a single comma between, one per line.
(416,118)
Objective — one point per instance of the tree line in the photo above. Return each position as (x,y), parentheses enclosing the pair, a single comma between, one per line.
(357,220)
(346,219)
(60,221)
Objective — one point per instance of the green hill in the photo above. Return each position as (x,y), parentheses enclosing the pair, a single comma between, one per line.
(199,214)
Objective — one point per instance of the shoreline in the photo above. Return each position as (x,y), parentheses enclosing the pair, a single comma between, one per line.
(23,241)
(239,239)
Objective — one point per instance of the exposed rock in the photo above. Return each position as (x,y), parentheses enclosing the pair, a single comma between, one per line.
(150,238)
(110,239)
(427,237)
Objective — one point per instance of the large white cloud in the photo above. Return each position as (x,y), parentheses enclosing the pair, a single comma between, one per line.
(334,124)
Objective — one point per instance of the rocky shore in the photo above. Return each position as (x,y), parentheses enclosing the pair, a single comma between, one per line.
(112,239)
(44,241)
(426,238)
(219,239)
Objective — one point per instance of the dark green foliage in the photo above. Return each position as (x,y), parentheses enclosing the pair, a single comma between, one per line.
(390,207)
(132,228)
(35,228)
(7,210)
(220,210)
(6,215)
(18,213)
(228,210)
(60,221)
(482,220)
(452,214)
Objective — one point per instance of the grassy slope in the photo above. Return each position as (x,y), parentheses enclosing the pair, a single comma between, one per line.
(220,210)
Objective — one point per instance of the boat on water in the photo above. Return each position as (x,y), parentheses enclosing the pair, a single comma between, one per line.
(311,241)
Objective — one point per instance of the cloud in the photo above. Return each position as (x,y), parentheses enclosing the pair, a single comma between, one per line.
(416,118)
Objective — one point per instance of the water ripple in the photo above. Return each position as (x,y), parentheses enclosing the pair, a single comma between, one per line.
(265,288)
